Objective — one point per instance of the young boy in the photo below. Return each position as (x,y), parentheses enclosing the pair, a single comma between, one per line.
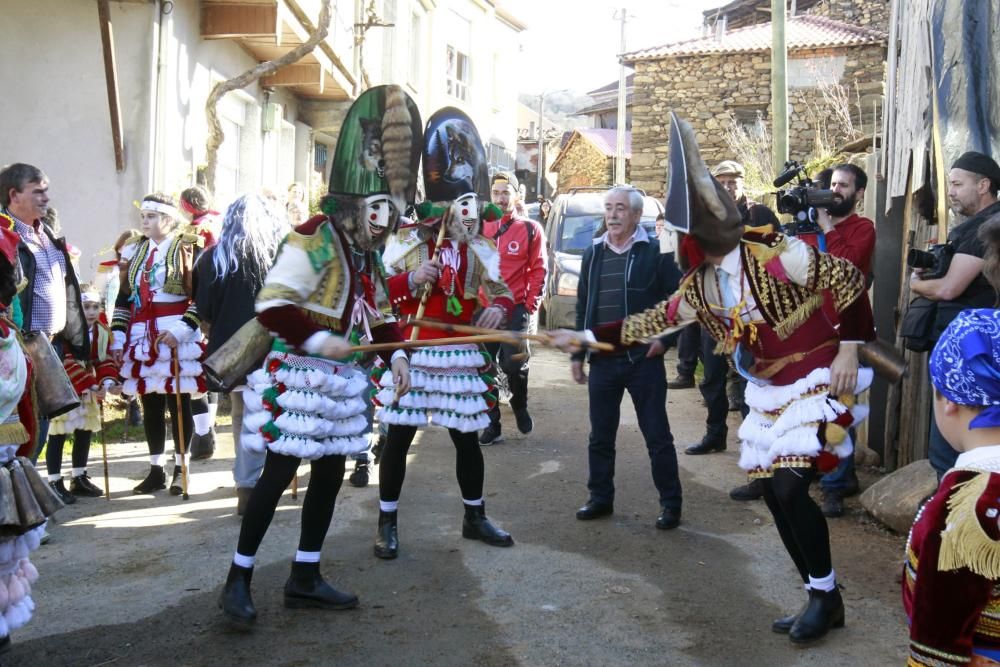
(951,588)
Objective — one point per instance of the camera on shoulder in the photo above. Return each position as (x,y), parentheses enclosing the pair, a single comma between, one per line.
(934,261)
(801,200)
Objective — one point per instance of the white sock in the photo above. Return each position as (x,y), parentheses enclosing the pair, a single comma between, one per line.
(243,561)
(473,503)
(202,423)
(388,505)
(306,556)
(827,583)
(55,478)
(158,459)
(212,409)
(177,458)
(79,471)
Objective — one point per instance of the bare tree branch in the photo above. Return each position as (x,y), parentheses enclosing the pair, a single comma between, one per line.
(215,134)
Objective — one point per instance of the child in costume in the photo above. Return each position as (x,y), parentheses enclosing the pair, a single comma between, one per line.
(951,587)
(450,386)
(91,380)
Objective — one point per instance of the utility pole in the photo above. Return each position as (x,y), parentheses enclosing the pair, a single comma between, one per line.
(620,137)
(779,86)
(541,145)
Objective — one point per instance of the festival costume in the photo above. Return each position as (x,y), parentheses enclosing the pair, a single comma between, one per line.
(327,279)
(766,299)
(951,583)
(155,297)
(25,499)
(449,386)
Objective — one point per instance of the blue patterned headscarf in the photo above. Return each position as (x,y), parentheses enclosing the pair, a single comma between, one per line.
(965,364)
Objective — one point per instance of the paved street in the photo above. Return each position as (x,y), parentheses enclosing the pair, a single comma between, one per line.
(134,582)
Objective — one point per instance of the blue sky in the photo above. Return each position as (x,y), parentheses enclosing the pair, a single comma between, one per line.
(574,43)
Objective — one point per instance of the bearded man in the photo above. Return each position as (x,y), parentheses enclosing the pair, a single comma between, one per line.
(450,383)
(326,286)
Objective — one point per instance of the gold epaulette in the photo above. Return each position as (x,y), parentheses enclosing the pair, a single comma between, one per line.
(964,541)
(645,325)
(765,245)
(191,238)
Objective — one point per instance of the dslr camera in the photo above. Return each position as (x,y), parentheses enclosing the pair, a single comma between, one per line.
(934,261)
(801,200)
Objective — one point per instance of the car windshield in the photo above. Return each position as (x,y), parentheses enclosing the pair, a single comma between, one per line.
(577,233)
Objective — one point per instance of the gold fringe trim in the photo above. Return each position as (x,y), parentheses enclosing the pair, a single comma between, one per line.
(964,543)
(797,317)
(13,433)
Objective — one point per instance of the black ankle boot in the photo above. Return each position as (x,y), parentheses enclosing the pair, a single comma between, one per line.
(202,447)
(824,611)
(177,483)
(387,539)
(784,624)
(155,480)
(235,600)
(305,588)
(475,526)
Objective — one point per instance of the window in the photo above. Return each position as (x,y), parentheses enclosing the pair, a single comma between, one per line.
(458,74)
(320,156)
(459,65)
(232,117)
(416,39)
(389,41)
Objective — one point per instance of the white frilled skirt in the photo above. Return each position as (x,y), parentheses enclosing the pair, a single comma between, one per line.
(448,387)
(149,369)
(306,407)
(86,417)
(791,425)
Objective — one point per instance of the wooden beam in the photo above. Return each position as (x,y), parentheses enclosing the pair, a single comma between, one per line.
(238,20)
(298,74)
(111,82)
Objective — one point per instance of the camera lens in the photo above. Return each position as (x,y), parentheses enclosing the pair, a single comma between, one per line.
(920,259)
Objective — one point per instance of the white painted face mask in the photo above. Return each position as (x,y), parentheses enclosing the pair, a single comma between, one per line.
(379,211)
(465,210)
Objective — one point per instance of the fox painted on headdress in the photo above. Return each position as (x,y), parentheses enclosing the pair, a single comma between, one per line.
(456,175)
(373,177)
(705,216)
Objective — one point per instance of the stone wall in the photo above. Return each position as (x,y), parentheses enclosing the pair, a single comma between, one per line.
(583,165)
(864,13)
(709,90)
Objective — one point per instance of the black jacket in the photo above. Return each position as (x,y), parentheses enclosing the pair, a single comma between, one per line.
(225,305)
(75,334)
(650,277)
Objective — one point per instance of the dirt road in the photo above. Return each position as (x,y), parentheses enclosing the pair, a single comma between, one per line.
(135,581)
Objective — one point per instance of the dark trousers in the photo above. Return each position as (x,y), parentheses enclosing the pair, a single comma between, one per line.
(469,466)
(326,476)
(713,388)
(800,523)
(688,349)
(154,420)
(54,452)
(646,382)
(942,456)
(516,371)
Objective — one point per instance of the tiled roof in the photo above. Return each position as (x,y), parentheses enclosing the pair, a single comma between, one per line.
(606,140)
(609,105)
(613,86)
(801,32)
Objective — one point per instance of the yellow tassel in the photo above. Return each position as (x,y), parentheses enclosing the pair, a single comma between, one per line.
(835,433)
(964,543)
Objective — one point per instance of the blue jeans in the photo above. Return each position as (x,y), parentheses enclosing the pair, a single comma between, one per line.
(646,383)
(248,464)
(838,478)
(942,456)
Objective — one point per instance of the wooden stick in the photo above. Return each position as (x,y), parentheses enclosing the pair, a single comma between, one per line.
(493,337)
(429,287)
(543,338)
(295,485)
(104,451)
(180,423)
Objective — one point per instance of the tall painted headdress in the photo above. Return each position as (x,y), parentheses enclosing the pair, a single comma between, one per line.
(377,157)
(454,158)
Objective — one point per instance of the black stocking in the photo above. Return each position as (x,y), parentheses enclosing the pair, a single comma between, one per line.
(469,468)
(392,468)
(800,522)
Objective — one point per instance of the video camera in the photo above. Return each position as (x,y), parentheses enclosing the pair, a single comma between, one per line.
(934,261)
(801,200)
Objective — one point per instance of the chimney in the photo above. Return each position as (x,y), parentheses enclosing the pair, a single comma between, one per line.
(720,27)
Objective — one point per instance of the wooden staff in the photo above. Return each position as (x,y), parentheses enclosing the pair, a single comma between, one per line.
(429,286)
(104,451)
(295,484)
(544,338)
(180,422)
(493,337)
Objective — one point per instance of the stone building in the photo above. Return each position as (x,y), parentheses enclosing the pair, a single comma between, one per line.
(588,158)
(835,82)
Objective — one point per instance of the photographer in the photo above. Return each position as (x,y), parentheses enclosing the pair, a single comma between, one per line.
(972,191)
